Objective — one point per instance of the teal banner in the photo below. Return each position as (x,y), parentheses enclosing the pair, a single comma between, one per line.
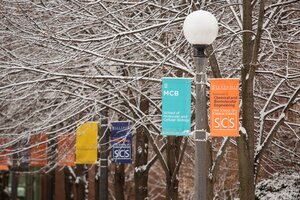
(176,106)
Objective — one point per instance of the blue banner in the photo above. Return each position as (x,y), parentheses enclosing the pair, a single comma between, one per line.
(176,106)
(121,141)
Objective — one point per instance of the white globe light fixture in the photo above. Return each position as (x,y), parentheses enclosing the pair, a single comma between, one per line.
(200,28)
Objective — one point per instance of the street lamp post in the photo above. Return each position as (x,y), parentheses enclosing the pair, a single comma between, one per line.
(200,28)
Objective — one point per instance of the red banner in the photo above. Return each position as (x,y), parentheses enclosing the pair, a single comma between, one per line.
(38,151)
(224,107)
(66,150)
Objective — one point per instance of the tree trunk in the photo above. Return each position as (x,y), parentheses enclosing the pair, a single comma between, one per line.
(48,185)
(141,175)
(119,181)
(15,177)
(60,189)
(4,177)
(45,186)
(172,150)
(69,184)
(80,185)
(29,186)
(51,185)
(14,185)
(141,157)
(91,182)
(246,141)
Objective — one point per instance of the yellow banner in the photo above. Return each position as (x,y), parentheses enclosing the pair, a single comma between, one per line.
(86,143)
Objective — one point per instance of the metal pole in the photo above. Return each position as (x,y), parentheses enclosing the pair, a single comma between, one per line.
(200,181)
(104,146)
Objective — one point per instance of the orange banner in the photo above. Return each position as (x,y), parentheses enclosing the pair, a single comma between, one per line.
(66,150)
(38,151)
(4,161)
(224,107)
(4,158)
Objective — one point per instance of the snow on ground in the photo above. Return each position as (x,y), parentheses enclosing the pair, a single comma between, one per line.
(281,186)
